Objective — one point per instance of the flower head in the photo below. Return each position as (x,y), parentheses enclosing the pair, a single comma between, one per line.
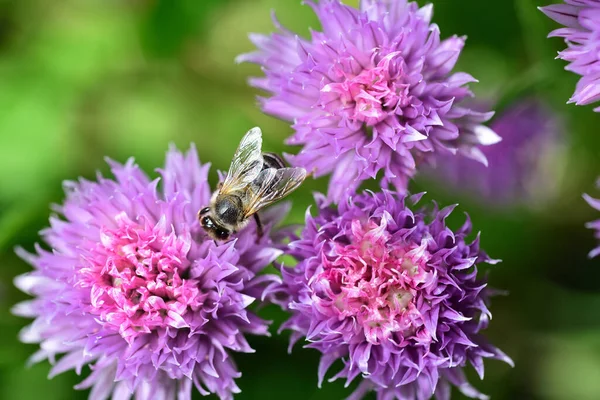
(134,288)
(393,293)
(595,203)
(372,92)
(524,168)
(581,19)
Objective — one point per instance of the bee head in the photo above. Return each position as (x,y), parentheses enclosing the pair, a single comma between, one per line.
(215,231)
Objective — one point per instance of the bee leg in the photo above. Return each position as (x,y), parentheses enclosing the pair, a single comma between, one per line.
(259,228)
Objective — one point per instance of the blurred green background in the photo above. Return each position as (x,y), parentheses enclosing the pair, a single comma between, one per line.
(85,79)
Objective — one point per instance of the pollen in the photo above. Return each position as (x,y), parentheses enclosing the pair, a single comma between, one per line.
(136,279)
(375,283)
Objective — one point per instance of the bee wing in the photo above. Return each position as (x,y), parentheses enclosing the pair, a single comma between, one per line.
(246,163)
(271,185)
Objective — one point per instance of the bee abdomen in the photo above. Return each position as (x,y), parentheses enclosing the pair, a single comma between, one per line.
(272,160)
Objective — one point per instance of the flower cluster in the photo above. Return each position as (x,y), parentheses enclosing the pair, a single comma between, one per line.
(374,91)
(524,167)
(134,288)
(581,19)
(392,292)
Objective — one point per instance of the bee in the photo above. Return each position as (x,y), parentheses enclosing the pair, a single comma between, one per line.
(254,180)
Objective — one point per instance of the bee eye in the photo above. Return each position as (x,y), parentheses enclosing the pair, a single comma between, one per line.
(204,210)
(222,234)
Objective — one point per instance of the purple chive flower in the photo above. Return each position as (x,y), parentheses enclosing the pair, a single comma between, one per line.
(134,288)
(519,166)
(581,19)
(391,292)
(372,92)
(595,203)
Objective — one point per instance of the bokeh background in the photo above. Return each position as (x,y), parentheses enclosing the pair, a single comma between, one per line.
(85,79)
